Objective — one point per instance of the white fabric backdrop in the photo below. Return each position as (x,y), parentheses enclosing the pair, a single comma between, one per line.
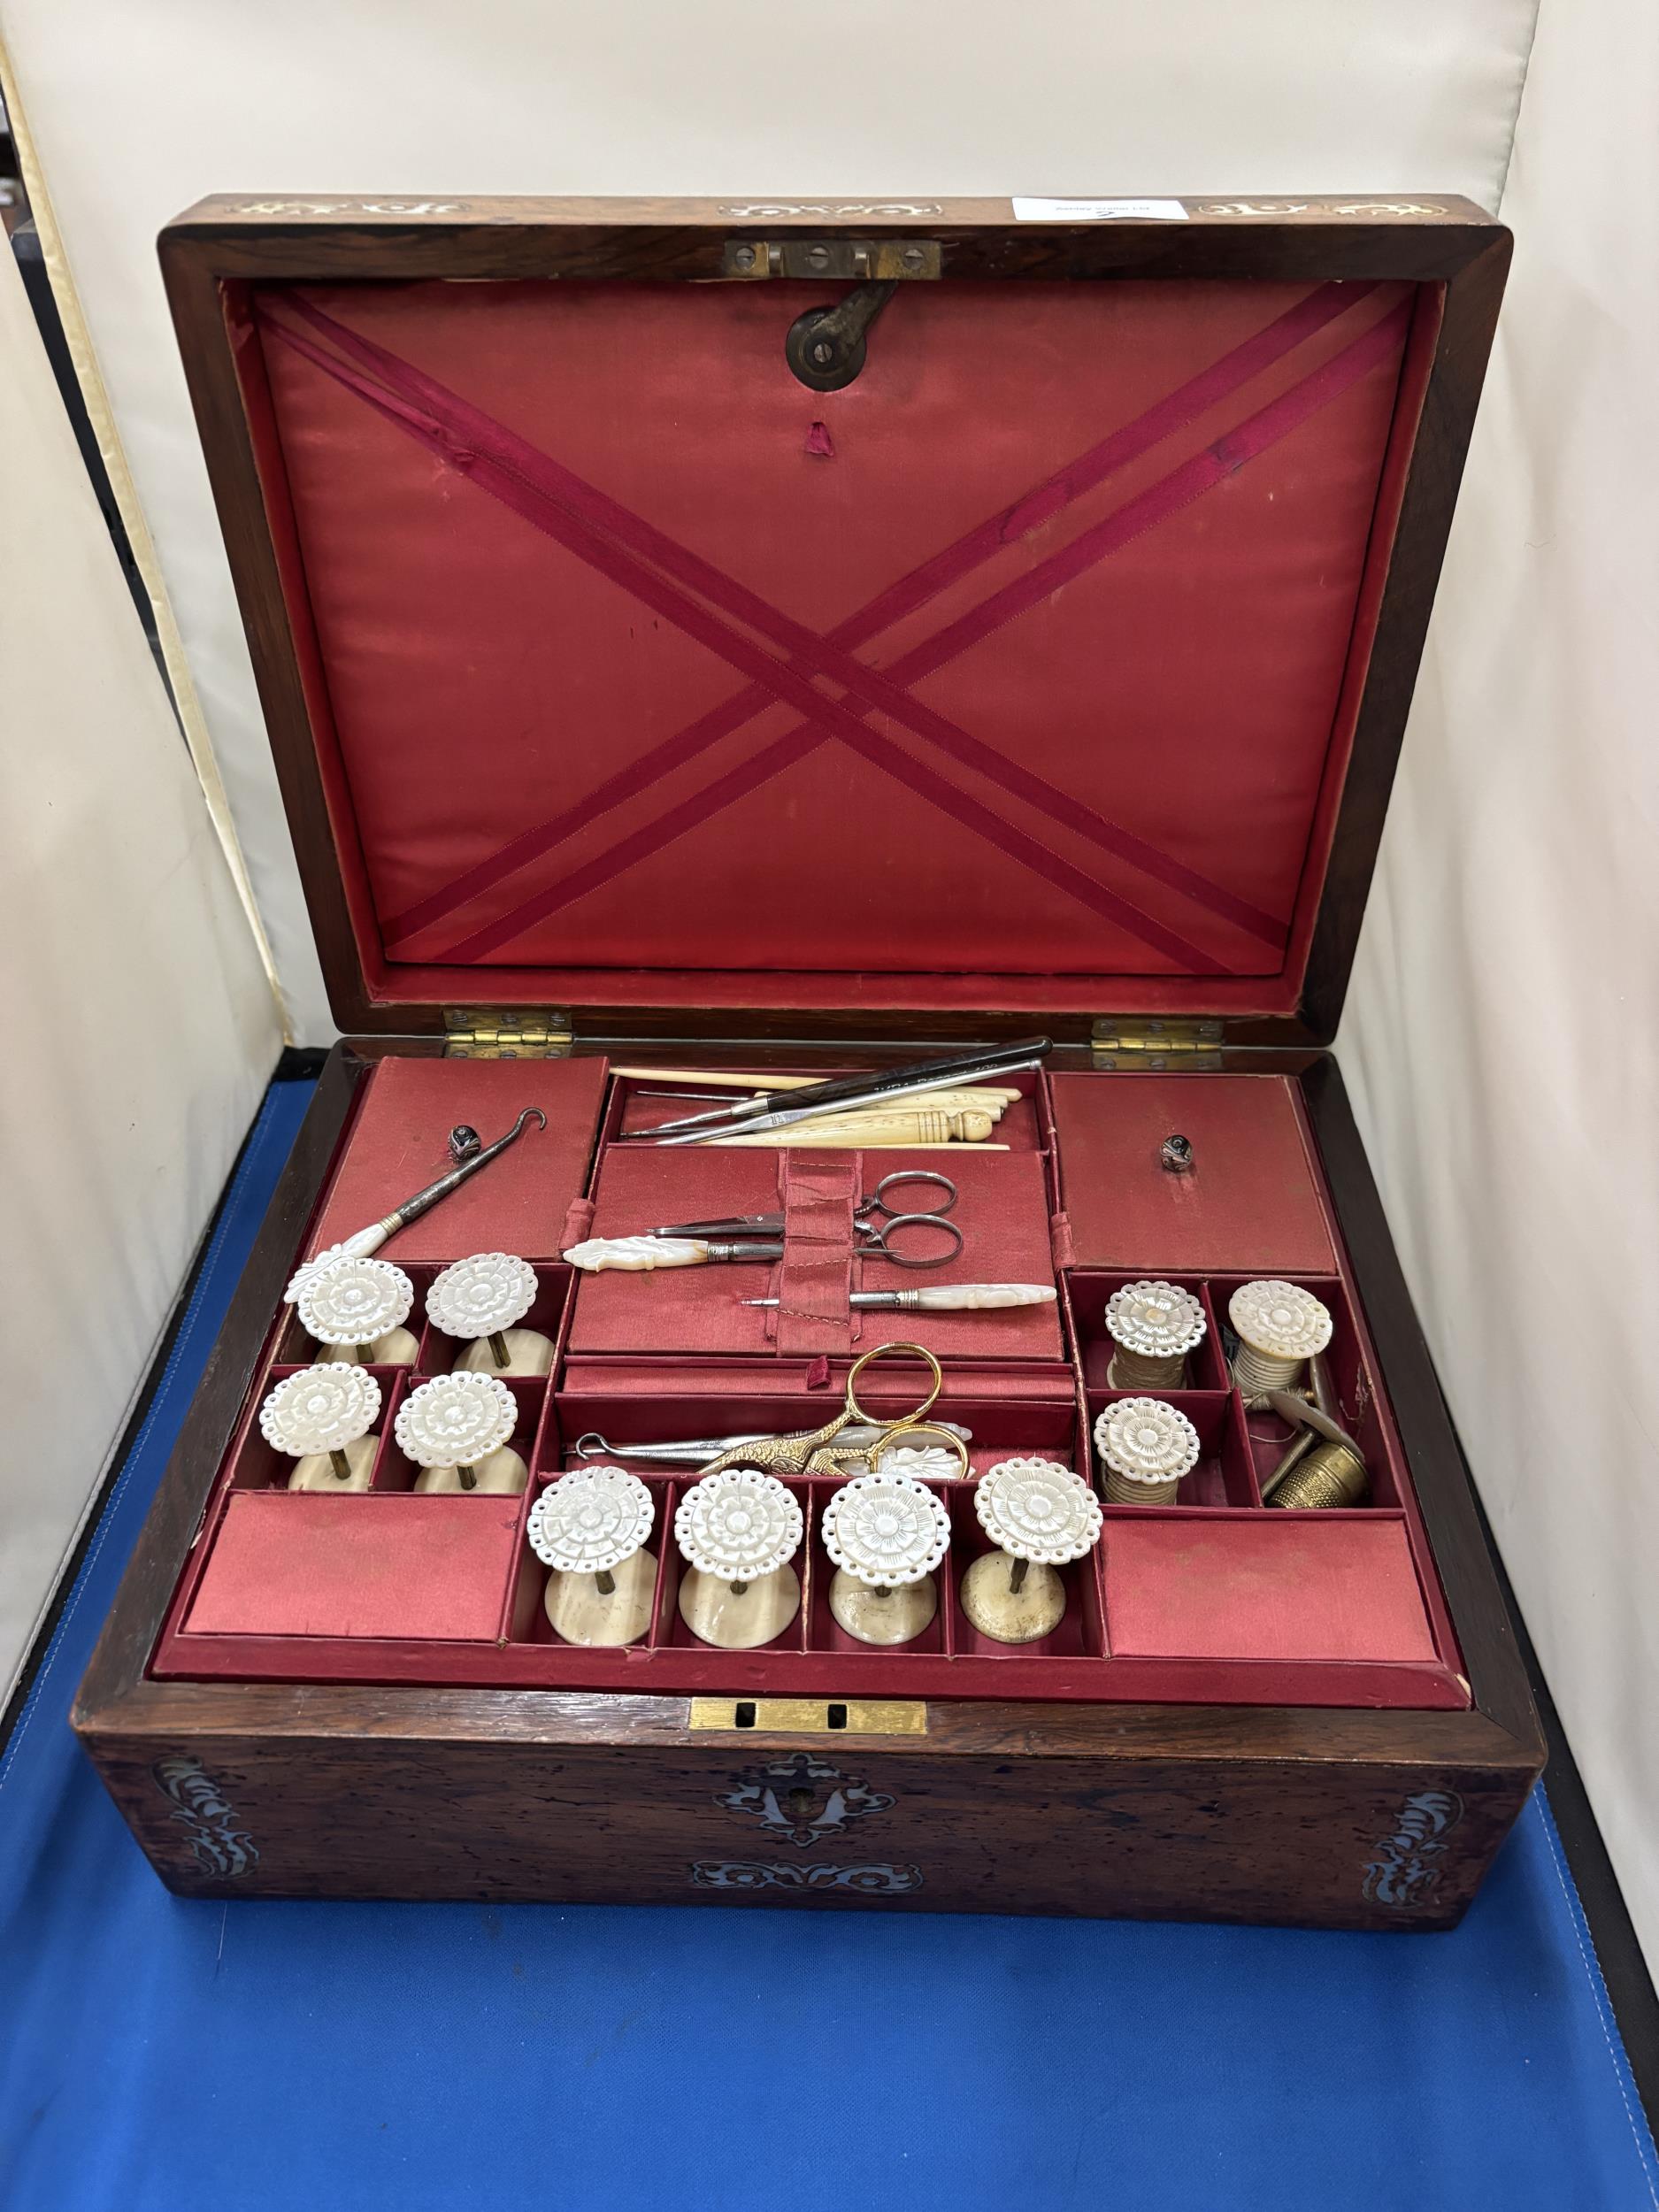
(139,1031)
(1502,1036)
(1500,1042)
(136,112)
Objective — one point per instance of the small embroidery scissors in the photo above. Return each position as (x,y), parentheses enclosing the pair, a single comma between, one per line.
(877,1224)
(825,1451)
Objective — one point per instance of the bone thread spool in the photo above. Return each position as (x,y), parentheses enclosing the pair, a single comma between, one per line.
(321,1418)
(886,1534)
(1040,1516)
(1280,1327)
(588,1528)
(1145,1448)
(455,1429)
(479,1299)
(1153,1327)
(738,1529)
(357,1307)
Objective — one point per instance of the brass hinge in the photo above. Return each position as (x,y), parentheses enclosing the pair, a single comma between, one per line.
(858,258)
(488,1033)
(1148,1044)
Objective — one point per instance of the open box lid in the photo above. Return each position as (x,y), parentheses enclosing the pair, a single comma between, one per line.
(1052,668)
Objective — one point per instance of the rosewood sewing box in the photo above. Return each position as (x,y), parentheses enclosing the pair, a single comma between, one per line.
(653,689)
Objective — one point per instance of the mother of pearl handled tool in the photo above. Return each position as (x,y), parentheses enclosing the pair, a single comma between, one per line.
(455,1429)
(480,1299)
(356,1308)
(589,1528)
(469,1153)
(321,1417)
(697,1451)
(941,1298)
(749,1116)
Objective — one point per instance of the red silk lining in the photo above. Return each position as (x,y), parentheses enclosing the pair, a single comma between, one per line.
(454,714)
(572,517)
(910,593)
(553,499)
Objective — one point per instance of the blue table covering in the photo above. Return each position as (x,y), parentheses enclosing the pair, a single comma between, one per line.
(158,2056)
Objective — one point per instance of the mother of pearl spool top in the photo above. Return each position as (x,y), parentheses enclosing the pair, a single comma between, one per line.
(590,1520)
(1038,1511)
(1153,1327)
(1145,1446)
(1280,1327)
(739,1524)
(321,1417)
(480,1298)
(461,1421)
(357,1303)
(887,1530)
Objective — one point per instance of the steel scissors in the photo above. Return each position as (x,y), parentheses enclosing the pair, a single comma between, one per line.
(876,1224)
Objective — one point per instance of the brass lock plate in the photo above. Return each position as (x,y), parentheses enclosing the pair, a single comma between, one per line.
(811,1716)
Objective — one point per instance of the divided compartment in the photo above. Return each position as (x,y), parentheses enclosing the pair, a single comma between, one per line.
(1358,1399)
(1080,1632)
(1223,1478)
(1003,1427)
(439,1351)
(639,1103)
(256,1465)
(1002,1210)
(1087,1291)
(394,1473)
(396,1143)
(267,1595)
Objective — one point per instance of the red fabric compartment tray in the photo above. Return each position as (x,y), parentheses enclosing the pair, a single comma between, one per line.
(1188,1603)
(398,1142)
(392,1566)
(1252,1204)
(1001,1211)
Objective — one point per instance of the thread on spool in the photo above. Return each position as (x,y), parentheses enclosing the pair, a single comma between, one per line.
(1128,1490)
(1331,1476)
(1152,1325)
(1144,1370)
(1257,1373)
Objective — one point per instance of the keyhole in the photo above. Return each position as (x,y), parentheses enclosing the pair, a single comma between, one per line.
(801,1802)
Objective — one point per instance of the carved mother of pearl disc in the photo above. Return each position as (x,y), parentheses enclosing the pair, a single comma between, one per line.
(590,1520)
(482,1296)
(1037,1510)
(354,1300)
(1145,1440)
(1280,1318)
(1155,1319)
(455,1420)
(322,1409)
(886,1530)
(925,1463)
(739,1524)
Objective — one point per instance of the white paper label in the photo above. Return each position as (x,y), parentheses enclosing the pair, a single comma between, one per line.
(1099,212)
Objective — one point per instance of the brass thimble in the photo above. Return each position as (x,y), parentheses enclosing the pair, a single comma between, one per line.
(1329,1475)
(1145,1448)
(1153,1327)
(1280,1327)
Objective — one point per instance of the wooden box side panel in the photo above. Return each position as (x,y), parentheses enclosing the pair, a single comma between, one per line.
(1388,1843)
